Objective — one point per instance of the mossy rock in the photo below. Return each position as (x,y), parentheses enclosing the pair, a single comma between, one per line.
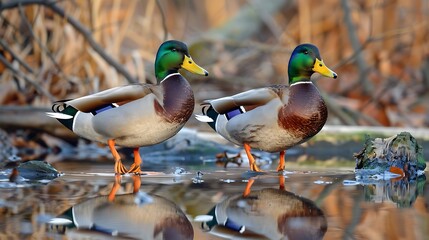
(401,151)
(37,170)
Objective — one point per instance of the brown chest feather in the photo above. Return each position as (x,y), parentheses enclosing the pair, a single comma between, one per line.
(305,113)
(178,102)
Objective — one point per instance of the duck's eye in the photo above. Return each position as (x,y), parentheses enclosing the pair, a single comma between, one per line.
(173,50)
(305,52)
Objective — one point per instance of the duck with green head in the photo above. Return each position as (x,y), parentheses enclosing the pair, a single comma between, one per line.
(274,118)
(139,114)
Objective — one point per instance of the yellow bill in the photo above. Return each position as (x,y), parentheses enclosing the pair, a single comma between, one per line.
(321,68)
(192,67)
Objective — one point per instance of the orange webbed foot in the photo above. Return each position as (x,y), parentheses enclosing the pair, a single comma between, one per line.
(135,167)
(120,168)
(252,162)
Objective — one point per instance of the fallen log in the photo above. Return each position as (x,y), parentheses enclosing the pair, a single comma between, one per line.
(27,117)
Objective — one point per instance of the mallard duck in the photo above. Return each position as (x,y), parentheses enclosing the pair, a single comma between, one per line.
(139,114)
(128,216)
(267,214)
(274,118)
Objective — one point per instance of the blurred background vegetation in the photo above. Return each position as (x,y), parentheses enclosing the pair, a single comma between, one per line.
(52,50)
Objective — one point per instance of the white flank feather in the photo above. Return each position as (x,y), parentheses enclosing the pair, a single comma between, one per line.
(203,118)
(58,115)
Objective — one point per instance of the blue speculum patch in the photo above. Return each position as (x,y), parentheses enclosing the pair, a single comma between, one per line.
(233,113)
(103,108)
(233,225)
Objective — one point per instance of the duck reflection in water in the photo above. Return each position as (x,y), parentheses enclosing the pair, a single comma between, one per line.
(136,215)
(267,213)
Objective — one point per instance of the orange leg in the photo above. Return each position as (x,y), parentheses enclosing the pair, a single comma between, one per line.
(135,167)
(115,187)
(281,182)
(281,165)
(119,167)
(248,186)
(252,162)
(137,183)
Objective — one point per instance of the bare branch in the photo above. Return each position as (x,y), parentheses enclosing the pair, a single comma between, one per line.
(29,117)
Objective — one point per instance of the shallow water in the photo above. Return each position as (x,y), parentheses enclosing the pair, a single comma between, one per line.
(314,203)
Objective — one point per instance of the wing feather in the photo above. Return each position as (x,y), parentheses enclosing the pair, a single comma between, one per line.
(254,98)
(120,95)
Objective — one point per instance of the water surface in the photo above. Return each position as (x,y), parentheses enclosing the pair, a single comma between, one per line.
(329,199)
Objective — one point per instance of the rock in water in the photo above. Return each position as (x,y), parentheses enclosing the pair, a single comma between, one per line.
(401,151)
(37,170)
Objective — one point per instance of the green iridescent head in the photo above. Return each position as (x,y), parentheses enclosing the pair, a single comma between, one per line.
(304,61)
(173,55)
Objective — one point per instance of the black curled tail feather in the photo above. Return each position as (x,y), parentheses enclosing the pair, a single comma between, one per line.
(62,107)
(209,111)
(59,106)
